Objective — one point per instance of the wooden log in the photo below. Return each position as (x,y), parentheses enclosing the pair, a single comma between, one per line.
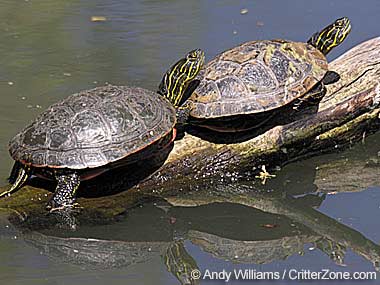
(349,112)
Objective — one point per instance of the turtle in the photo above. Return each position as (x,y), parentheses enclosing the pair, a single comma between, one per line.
(243,87)
(95,130)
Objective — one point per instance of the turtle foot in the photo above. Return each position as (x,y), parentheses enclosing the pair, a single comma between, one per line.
(74,207)
(57,205)
(65,216)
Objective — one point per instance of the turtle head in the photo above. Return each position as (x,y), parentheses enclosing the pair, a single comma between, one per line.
(180,263)
(331,36)
(177,79)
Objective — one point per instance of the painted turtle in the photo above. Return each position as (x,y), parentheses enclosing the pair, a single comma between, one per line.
(94,130)
(245,86)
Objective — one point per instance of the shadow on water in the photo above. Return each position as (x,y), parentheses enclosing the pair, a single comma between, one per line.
(239,224)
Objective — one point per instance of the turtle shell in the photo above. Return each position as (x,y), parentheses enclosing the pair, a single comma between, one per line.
(256,76)
(93,128)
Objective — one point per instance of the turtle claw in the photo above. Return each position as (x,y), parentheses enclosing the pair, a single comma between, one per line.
(53,206)
(73,207)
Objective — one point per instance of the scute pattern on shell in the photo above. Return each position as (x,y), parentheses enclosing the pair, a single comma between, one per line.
(94,127)
(256,76)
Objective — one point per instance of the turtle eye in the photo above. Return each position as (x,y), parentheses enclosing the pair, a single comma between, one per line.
(340,23)
(194,54)
(191,55)
(343,23)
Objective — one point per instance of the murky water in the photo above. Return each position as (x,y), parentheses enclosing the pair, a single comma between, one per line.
(51,49)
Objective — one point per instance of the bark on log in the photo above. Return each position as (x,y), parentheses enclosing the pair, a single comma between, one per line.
(348,112)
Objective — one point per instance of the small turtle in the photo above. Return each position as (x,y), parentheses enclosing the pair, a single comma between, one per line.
(95,130)
(244,87)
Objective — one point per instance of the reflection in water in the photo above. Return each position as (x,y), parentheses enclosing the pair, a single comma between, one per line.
(333,237)
(110,253)
(50,49)
(180,263)
(237,224)
(334,250)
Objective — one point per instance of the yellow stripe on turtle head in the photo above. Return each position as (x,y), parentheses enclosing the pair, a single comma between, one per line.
(178,77)
(331,36)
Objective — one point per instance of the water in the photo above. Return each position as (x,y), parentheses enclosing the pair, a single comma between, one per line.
(51,49)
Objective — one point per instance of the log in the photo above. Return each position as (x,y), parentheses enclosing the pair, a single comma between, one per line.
(349,112)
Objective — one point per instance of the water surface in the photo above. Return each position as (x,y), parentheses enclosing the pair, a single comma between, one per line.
(51,49)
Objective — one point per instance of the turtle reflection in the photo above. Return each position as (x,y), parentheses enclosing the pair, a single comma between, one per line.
(264,236)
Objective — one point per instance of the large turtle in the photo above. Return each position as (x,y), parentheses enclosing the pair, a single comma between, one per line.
(94,130)
(259,78)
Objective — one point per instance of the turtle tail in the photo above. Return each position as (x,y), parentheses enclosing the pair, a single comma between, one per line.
(19,175)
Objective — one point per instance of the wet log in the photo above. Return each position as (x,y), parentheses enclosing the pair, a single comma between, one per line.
(347,114)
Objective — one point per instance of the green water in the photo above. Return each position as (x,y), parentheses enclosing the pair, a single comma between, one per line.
(51,49)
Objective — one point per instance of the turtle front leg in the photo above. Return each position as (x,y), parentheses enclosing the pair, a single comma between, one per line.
(311,99)
(64,195)
(183,114)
